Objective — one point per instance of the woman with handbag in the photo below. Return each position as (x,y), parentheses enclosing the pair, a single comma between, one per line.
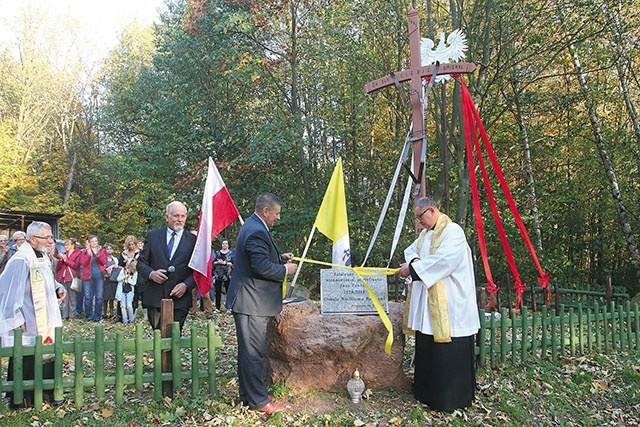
(93,259)
(67,274)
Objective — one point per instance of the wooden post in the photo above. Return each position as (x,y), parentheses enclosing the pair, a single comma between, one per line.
(534,305)
(418,135)
(166,314)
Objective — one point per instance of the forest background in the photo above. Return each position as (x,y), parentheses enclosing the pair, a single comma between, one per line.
(273,92)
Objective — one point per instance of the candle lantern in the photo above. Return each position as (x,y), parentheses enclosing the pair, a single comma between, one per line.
(355,386)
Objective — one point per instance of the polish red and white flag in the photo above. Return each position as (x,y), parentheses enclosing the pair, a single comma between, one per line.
(216,213)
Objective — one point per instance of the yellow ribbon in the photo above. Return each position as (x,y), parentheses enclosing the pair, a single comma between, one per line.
(361,271)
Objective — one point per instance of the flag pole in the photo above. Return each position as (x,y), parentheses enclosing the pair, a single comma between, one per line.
(304,254)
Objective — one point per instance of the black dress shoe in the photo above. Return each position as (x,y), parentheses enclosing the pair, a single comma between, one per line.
(48,397)
(17,405)
(57,403)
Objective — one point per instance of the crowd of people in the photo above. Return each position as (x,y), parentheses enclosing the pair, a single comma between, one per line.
(41,284)
(99,275)
(102,284)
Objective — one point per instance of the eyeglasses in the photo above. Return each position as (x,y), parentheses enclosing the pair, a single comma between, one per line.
(419,217)
(44,237)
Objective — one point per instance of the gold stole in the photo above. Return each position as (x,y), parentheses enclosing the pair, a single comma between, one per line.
(437,293)
(38,293)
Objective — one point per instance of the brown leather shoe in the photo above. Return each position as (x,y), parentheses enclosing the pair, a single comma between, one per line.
(245,403)
(271,408)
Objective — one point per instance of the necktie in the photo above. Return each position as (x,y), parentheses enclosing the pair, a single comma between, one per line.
(170,244)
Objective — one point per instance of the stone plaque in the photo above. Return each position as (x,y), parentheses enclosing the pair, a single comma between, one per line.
(341,291)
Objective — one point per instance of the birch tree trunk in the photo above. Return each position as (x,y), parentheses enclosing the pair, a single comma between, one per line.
(621,60)
(528,168)
(606,163)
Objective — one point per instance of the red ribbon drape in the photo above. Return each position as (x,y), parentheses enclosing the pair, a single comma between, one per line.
(492,288)
(472,121)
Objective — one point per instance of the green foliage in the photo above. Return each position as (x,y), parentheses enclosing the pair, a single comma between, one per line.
(279,390)
(417,415)
(273,93)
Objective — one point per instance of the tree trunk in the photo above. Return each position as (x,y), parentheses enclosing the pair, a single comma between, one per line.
(483,44)
(607,164)
(295,100)
(70,178)
(620,57)
(528,168)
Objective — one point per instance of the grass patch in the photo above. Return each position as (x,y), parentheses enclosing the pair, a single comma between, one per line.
(580,379)
(631,376)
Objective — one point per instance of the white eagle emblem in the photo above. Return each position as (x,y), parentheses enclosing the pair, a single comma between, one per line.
(450,51)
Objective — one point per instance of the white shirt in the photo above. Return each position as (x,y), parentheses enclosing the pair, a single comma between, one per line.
(452,262)
(176,240)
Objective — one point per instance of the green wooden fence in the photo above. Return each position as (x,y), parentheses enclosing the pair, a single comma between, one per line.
(574,297)
(549,334)
(507,338)
(132,362)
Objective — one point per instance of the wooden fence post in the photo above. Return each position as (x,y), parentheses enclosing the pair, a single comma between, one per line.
(534,305)
(166,314)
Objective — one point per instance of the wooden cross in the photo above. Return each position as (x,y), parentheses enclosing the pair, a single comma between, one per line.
(416,74)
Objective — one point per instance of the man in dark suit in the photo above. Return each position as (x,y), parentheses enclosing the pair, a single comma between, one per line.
(163,264)
(255,296)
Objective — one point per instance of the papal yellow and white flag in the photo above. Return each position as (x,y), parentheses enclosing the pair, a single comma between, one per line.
(332,218)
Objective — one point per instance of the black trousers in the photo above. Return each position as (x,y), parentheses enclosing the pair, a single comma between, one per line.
(218,285)
(28,365)
(444,376)
(252,333)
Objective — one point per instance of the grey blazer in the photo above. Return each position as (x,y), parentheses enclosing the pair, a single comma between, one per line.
(256,282)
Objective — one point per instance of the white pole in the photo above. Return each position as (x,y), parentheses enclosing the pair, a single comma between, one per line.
(304,254)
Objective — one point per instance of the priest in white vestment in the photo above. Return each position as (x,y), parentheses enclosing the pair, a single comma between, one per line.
(29,297)
(442,310)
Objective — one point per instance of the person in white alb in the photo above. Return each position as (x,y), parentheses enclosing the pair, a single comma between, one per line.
(29,297)
(442,310)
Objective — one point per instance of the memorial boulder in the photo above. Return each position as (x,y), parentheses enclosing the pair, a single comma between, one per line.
(309,351)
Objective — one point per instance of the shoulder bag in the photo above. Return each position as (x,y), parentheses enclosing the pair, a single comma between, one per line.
(76,283)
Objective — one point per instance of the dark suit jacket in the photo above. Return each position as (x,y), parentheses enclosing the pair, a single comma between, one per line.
(155,255)
(256,282)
